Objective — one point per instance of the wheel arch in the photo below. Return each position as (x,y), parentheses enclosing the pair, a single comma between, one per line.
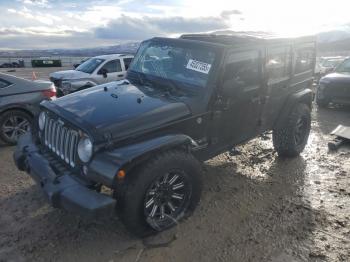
(17,108)
(304,96)
(105,166)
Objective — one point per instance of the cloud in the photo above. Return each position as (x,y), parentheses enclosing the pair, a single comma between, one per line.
(17,39)
(40,17)
(41,3)
(131,28)
(38,31)
(228,13)
(35,23)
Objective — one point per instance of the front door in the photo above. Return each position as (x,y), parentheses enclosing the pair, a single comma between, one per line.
(237,117)
(114,72)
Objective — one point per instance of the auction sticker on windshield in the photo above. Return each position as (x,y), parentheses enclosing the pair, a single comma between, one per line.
(198,66)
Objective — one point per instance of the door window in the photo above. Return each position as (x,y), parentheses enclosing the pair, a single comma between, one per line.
(278,64)
(304,60)
(127,62)
(4,83)
(113,66)
(242,69)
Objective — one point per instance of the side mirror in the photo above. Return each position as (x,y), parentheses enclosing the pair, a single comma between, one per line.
(103,71)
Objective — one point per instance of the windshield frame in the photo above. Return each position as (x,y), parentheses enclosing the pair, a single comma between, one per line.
(217,49)
(88,61)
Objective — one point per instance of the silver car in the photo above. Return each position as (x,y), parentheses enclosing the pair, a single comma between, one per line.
(19,100)
(95,71)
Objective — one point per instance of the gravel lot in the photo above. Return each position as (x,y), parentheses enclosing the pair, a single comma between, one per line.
(254,207)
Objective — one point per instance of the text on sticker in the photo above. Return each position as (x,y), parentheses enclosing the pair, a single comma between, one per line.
(198,66)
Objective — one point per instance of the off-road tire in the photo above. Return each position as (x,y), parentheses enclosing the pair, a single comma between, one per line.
(130,205)
(284,137)
(5,116)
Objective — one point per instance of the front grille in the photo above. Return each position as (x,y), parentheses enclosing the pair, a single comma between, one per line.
(61,140)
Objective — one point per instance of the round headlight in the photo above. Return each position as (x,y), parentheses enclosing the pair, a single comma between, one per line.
(85,149)
(42,120)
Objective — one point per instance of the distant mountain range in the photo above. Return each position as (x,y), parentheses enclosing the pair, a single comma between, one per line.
(331,41)
(334,41)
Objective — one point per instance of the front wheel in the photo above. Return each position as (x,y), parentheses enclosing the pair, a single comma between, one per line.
(161,193)
(290,139)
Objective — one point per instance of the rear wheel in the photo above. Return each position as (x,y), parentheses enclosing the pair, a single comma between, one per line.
(161,193)
(13,124)
(290,139)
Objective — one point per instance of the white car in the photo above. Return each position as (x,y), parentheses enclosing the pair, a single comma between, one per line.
(326,64)
(95,71)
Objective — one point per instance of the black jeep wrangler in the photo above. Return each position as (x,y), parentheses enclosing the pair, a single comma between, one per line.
(184,101)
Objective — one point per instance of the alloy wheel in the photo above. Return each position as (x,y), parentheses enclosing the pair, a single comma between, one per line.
(14,127)
(300,130)
(167,199)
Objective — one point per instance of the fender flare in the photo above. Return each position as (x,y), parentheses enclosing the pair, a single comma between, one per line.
(304,96)
(104,166)
(28,108)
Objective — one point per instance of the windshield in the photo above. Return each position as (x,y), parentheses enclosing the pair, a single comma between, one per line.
(174,62)
(344,67)
(90,65)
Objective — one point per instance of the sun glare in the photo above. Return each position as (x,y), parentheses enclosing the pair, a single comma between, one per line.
(284,17)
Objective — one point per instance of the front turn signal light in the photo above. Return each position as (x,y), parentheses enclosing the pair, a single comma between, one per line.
(121,174)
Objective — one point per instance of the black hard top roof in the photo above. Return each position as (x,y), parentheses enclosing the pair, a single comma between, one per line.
(234,38)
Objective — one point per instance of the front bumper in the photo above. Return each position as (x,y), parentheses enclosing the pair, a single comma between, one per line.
(63,191)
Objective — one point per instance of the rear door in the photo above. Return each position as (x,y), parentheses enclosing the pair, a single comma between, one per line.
(303,68)
(277,80)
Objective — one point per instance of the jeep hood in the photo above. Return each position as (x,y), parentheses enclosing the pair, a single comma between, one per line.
(119,110)
(69,75)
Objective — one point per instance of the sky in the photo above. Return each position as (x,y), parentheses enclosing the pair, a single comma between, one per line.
(47,24)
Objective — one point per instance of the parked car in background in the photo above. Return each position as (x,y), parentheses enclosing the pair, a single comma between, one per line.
(326,65)
(184,100)
(94,71)
(19,102)
(10,65)
(335,87)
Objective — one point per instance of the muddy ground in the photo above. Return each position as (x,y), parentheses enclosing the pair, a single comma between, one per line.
(254,207)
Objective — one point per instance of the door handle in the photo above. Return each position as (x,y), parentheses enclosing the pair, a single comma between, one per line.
(121,75)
